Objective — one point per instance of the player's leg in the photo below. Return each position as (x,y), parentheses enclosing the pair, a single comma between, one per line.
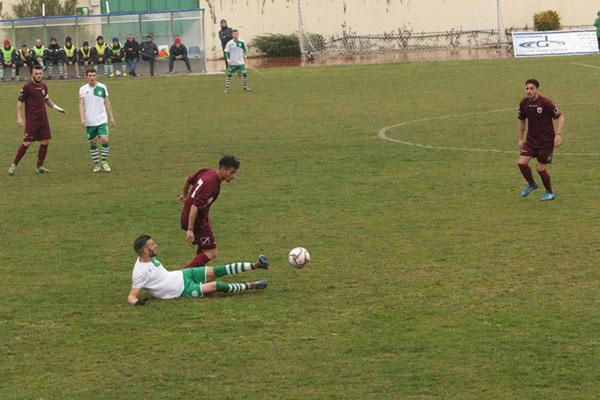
(198,282)
(230,71)
(103,132)
(237,268)
(245,78)
(92,135)
(207,246)
(523,163)
(544,158)
(20,153)
(187,64)
(76,65)
(171,62)
(42,156)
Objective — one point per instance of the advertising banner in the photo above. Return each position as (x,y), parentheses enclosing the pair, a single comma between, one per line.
(554,43)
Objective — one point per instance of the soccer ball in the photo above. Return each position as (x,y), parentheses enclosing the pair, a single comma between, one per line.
(299,257)
(117,73)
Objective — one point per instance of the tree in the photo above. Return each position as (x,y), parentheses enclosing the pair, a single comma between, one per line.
(33,8)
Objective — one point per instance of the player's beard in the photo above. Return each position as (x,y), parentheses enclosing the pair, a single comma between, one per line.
(35,80)
(152,253)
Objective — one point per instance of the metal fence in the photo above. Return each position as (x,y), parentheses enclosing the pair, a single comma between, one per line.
(164,26)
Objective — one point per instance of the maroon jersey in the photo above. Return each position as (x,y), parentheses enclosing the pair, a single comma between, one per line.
(539,114)
(205,188)
(34,95)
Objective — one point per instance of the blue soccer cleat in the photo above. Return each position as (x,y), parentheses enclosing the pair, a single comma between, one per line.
(528,189)
(548,196)
(263,262)
(258,285)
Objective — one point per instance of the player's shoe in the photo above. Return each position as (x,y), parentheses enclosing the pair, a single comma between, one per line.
(112,75)
(548,196)
(12,169)
(49,77)
(263,262)
(124,74)
(528,189)
(226,91)
(258,285)
(96,168)
(106,167)
(43,170)
(77,76)
(247,89)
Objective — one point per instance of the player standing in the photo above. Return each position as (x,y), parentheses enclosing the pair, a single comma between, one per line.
(37,128)
(94,106)
(541,138)
(205,186)
(235,55)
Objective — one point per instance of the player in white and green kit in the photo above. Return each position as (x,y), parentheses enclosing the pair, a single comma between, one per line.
(93,109)
(149,274)
(235,52)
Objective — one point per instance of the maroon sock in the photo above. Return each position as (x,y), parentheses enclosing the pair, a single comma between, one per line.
(546,179)
(526,171)
(42,154)
(20,154)
(199,261)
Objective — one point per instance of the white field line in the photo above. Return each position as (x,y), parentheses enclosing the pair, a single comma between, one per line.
(383,135)
(586,65)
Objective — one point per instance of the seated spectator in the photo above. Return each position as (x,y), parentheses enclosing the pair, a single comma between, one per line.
(101,55)
(85,56)
(70,58)
(132,52)
(8,59)
(179,52)
(117,55)
(53,55)
(24,58)
(149,52)
(37,53)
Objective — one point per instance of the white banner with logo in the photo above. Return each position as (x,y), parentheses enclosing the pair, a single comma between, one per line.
(555,43)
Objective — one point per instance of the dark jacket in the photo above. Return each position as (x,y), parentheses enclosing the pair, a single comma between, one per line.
(53,52)
(132,49)
(225,34)
(148,50)
(181,51)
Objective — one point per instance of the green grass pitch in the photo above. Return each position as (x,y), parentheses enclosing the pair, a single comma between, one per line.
(430,276)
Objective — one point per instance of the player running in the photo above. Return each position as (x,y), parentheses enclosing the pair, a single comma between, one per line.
(37,128)
(148,273)
(235,54)
(205,186)
(94,106)
(541,138)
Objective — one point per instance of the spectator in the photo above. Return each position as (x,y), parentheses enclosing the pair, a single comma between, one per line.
(70,58)
(132,53)
(597,25)
(149,52)
(54,55)
(101,54)
(225,34)
(37,53)
(117,54)
(85,57)
(178,52)
(8,59)
(24,58)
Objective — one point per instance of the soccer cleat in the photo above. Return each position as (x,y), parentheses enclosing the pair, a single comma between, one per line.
(12,169)
(49,77)
(124,73)
(43,170)
(111,75)
(528,189)
(106,167)
(247,89)
(548,196)
(96,168)
(226,91)
(262,284)
(263,262)
(77,76)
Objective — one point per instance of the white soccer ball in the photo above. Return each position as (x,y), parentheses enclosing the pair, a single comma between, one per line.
(118,73)
(299,257)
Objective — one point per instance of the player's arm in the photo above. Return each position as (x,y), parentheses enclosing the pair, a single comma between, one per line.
(186,189)
(82,111)
(191,222)
(51,104)
(559,128)
(109,111)
(19,113)
(521,132)
(132,298)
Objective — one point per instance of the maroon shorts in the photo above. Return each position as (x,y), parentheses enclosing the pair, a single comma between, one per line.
(204,237)
(543,153)
(36,132)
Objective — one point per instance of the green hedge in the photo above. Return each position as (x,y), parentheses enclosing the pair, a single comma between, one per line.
(548,20)
(278,45)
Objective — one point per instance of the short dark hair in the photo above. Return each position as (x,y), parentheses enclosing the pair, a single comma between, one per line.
(229,162)
(534,82)
(23,46)
(37,66)
(149,36)
(140,243)
(235,30)
(92,69)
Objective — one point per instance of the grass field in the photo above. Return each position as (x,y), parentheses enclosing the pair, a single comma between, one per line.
(430,276)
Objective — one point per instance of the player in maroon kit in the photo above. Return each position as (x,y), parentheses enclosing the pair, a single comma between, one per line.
(541,138)
(205,186)
(35,96)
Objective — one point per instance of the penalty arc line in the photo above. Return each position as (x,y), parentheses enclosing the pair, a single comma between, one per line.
(383,135)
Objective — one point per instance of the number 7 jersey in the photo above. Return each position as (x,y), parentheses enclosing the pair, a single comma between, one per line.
(204,190)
